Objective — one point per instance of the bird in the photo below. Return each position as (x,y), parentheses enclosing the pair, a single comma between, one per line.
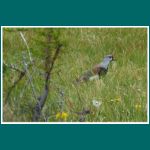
(97,71)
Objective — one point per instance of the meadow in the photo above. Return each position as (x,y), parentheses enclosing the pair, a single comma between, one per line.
(121,93)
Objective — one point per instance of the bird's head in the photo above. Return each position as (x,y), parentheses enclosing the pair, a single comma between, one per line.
(109,58)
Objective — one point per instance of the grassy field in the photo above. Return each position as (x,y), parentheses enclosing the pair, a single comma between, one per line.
(122,92)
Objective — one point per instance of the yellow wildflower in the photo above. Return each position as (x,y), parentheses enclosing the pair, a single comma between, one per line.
(138,107)
(58,115)
(62,115)
(118,99)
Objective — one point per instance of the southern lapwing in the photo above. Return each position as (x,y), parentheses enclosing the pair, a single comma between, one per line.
(97,71)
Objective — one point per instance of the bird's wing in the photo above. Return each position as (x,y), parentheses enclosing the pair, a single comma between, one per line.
(96,69)
(99,70)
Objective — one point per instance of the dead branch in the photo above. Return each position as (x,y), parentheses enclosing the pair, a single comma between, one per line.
(42,98)
(11,66)
(22,73)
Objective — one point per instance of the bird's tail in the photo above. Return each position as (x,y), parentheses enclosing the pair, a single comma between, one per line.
(85,77)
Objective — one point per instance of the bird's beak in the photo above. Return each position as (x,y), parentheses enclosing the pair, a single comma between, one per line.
(113,59)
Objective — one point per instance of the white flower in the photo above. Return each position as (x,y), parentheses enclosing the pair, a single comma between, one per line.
(96,103)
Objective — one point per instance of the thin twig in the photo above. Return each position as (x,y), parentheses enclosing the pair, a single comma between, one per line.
(14,85)
(25,66)
(28,49)
(21,75)
(30,78)
(12,66)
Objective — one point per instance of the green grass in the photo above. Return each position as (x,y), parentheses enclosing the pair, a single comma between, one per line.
(123,91)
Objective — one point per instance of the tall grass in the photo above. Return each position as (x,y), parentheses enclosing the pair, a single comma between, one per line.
(123,91)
